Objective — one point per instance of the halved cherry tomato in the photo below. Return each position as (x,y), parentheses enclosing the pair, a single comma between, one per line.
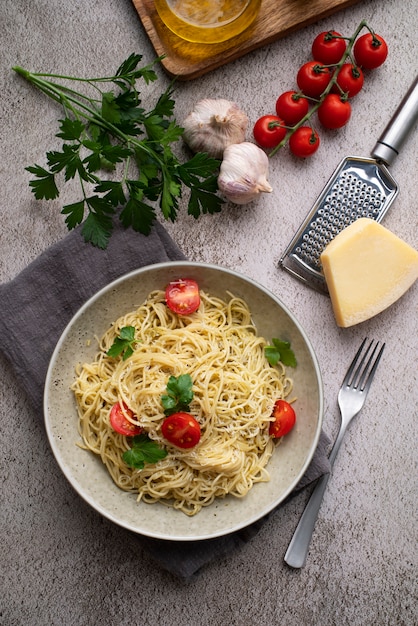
(284,419)
(182,296)
(269,130)
(350,80)
(334,112)
(313,78)
(181,430)
(291,106)
(120,423)
(328,47)
(370,51)
(304,141)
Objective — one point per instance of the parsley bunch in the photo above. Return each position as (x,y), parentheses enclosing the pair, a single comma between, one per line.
(112,127)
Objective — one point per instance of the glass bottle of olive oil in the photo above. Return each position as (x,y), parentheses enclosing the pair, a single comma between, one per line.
(207,21)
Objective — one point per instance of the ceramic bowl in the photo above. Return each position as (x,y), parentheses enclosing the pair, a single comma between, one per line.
(85,471)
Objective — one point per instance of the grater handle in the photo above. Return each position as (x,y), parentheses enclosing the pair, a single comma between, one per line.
(391,140)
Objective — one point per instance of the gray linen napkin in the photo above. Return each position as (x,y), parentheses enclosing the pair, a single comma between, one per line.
(60,280)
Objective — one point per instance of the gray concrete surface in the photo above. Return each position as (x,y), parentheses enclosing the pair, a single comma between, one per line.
(61,564)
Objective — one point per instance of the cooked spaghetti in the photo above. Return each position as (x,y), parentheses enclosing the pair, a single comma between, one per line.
(234,388)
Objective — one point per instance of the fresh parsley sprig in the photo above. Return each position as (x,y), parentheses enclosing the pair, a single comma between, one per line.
(124,344)
(179,394)
(143,450)
(280,351)
(110,127)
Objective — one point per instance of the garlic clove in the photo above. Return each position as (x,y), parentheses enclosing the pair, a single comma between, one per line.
(213,125)
(243,173)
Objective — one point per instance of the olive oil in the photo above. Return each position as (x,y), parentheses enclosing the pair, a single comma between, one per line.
(207,21)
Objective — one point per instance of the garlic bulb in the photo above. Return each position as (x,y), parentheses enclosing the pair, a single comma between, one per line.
(213,125)
(243,173)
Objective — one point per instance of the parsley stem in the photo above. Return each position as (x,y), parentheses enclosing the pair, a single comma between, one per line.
(127,77)
(74,101)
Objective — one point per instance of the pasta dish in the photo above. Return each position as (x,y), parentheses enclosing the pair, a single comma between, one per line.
(234,392)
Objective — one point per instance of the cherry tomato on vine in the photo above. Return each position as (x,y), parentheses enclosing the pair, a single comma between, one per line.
(284,419)
(350,80)
(370,51)
(182,296)
(304,142)
(291,106)
(328,47)
(120,423)
(312,78)
(181,430)
(334,112)
(269,130)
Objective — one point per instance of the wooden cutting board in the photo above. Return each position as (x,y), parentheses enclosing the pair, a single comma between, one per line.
(276,19)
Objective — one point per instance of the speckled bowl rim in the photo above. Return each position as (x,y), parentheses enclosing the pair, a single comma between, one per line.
(86,473)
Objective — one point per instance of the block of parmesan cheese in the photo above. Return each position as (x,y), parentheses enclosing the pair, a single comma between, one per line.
(367,268)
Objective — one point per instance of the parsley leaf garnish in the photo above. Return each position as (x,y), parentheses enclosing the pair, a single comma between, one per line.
(280,351)
(112,127)
(179,394)
(143,450)
(124,344)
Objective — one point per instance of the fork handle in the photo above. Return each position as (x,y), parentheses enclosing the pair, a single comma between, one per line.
(298,547)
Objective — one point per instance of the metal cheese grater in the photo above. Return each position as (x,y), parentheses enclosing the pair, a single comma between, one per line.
(359,187)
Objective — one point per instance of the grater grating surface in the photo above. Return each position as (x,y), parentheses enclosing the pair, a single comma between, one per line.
(359,187)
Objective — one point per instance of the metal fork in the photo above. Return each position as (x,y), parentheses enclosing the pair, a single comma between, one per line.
(351,399)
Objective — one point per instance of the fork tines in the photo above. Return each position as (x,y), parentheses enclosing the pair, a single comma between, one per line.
(361,372)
